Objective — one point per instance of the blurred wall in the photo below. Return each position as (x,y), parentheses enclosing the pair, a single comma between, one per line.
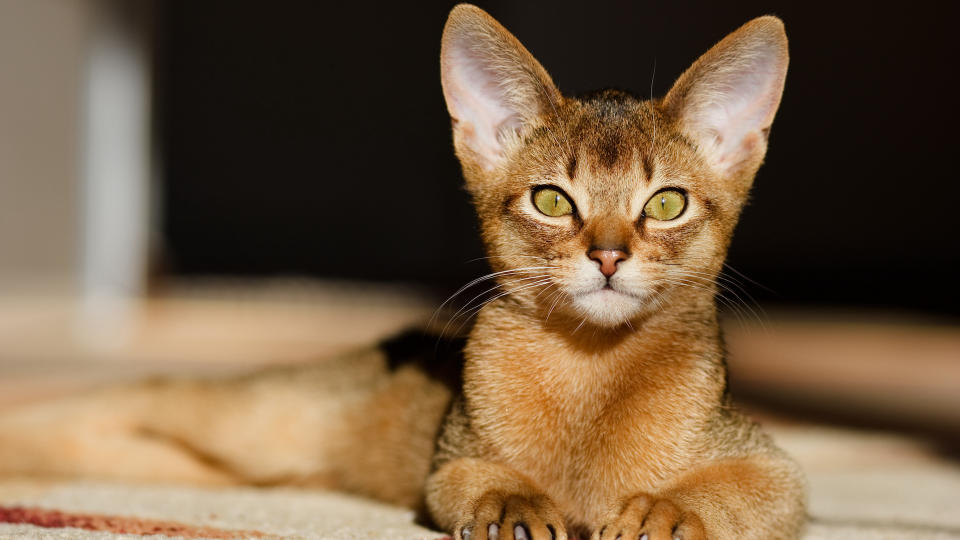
(311,138)
(75,152)
(41,54)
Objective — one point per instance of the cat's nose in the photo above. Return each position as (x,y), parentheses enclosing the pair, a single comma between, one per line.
(608,259)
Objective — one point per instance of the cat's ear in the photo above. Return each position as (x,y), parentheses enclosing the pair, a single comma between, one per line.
(492,84)
(727,99)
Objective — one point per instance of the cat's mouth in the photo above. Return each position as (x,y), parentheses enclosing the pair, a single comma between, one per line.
(608,289)
(608,305)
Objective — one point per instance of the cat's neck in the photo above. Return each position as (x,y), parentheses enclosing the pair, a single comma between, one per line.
(684,339)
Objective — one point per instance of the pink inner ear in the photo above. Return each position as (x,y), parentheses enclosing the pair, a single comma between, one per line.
(736,104)
(477,101)
(750,109)
(491,83)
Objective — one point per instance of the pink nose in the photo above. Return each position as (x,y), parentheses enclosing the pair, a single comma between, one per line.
(608,259)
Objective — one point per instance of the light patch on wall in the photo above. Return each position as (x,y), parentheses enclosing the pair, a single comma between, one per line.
(117,169)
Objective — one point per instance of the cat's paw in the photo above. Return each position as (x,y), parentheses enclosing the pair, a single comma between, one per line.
(644,517)
(505,516)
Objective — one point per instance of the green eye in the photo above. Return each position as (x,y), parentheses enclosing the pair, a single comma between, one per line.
(665,205)
(552,202)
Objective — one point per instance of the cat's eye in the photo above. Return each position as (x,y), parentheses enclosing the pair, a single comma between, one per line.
(552,202)
(665,205)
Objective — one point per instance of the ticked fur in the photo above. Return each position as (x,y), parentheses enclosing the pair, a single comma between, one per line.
(601,399)
(580,403)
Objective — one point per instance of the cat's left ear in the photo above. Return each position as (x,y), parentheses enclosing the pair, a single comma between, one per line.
(492,84)
(727,99)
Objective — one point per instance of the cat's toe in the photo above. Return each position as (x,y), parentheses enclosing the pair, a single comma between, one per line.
(645,517)
(499,516)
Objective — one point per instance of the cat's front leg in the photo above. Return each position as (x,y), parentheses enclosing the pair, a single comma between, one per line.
(755,498)
(478,500)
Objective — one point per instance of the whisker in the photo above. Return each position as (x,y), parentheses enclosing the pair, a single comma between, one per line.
(503,257)
(467,305)
(468,315)
(728,282)
(560,296)
(653,140)
(723,301)
(579,325)
(732,287)
(741,309)
(481,279)
(545,289)
(727,278)
(744,276)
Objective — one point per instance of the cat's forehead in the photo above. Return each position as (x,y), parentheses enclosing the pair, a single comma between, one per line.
(610,126)
(611,135)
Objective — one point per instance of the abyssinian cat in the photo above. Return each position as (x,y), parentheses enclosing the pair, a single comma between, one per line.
(591,396)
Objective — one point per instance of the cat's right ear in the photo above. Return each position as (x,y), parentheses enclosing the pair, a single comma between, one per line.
(492,84)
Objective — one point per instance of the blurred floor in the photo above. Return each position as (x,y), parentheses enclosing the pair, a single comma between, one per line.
(53,344)
(857,368)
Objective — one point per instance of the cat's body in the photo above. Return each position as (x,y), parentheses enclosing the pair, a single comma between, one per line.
(592,396)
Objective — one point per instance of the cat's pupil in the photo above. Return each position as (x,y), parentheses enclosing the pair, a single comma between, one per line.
(556,200)
(663,202)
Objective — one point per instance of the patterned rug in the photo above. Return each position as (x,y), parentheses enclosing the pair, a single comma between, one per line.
(863,486)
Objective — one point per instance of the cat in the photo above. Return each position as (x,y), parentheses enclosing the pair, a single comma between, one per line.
(589,398)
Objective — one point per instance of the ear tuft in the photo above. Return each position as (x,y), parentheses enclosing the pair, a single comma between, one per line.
(491,83)
(727,99)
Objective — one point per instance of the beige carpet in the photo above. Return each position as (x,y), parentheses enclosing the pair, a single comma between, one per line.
(204,513)
(863,485)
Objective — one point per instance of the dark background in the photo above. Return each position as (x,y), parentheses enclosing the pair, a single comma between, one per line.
(311,138)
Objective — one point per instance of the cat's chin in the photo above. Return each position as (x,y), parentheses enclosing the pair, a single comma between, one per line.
(608,307)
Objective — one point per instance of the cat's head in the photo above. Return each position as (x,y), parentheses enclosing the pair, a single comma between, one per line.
(606,208)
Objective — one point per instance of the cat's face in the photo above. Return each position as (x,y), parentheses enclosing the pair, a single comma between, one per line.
(601,210)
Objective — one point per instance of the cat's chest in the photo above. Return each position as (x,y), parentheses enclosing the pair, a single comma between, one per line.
(583,444)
